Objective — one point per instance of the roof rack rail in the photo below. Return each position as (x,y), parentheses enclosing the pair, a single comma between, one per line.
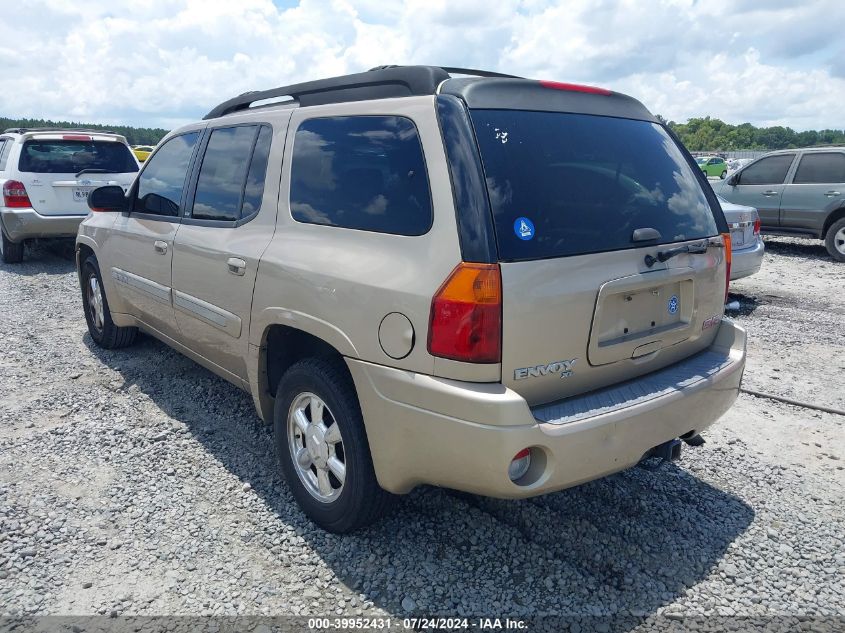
(24,130)
(454,70)
(377,83)
(478,73)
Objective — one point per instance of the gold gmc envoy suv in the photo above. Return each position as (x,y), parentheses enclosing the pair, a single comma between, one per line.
(430,275)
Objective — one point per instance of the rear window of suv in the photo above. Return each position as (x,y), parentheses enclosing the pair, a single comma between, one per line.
(71,157)
(569,184)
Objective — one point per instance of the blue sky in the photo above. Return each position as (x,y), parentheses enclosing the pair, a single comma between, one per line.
(163,63)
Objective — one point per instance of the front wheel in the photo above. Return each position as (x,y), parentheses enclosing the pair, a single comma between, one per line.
(835,240)
(322,447)
(12,253)
(723,175)
(100,325)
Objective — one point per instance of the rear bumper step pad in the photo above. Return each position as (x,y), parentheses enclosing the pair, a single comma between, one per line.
(664,382)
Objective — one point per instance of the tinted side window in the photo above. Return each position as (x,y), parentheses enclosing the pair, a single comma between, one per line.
(767,171)
(361,172)
(160,184)
(254,189)
(222,175)
(821,168)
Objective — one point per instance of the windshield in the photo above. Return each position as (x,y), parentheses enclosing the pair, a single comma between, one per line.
(567,184)
(71,157)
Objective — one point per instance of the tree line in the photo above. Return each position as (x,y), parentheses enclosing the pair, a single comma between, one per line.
(706,134)
(699,134)
(134,135)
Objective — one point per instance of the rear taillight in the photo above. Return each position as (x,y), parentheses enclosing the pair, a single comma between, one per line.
(757,224)
(466,315)
(559,85)
(726,240)
(14,195)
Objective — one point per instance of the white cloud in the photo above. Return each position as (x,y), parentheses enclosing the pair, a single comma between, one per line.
(157,62)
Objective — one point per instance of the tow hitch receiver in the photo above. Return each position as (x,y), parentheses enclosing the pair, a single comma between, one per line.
(667,452)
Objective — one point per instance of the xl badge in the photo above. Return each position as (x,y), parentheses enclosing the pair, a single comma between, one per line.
(563,367)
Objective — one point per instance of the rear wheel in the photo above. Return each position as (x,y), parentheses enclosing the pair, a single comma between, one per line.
(322,447)
(723,175)
(12,253)
(100,325)
(835,240)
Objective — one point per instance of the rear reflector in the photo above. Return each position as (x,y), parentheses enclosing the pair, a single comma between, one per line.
(14,195)
(757,224)
(726,238)
(519,464)
(557,85)
(466,315)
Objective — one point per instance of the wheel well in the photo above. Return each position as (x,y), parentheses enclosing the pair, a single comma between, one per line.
(833,217)
(83,252)
(284,346)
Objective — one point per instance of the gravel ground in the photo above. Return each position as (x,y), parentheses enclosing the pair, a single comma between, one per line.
(137,483)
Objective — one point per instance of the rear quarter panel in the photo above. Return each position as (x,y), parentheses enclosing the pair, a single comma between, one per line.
(339,284)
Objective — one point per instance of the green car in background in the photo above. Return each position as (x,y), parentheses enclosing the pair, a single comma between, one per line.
(713,166)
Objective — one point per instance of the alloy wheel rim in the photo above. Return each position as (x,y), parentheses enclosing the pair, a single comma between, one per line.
(839,240)
(316,447)
(95,303)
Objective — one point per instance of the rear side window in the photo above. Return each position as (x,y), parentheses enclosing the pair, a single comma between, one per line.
(254,188)
(568,184)
(71,157)
(222,174)
(160,184)
(5,148)
(361,172)
(821,168)
(767,171)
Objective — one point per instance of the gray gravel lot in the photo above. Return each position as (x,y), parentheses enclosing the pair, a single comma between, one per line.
(136,482)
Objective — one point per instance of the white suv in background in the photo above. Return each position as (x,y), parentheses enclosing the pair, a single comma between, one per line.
(46,175)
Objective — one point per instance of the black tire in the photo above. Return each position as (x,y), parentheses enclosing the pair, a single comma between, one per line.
(723,175)
(12,253)
(109,336)
(361,500)
(835,246)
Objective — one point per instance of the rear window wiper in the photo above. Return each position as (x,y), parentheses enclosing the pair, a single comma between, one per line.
(94,171)
(662,256)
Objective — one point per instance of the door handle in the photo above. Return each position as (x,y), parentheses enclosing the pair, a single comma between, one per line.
(769,193)
(161,247)
(832,194)
(236,266)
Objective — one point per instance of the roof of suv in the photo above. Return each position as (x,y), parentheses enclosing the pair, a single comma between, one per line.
(485,89)
(52,132)
(816,148)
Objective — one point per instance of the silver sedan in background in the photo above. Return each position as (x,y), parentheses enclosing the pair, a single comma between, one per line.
(746,244)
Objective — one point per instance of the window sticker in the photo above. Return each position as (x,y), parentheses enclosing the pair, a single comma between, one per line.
(524,228)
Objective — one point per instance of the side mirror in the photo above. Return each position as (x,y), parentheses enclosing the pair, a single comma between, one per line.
(733,181)
(110,198)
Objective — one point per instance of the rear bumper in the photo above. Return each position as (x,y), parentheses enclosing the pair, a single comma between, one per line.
(747,261)
(24,224)
(426,430)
